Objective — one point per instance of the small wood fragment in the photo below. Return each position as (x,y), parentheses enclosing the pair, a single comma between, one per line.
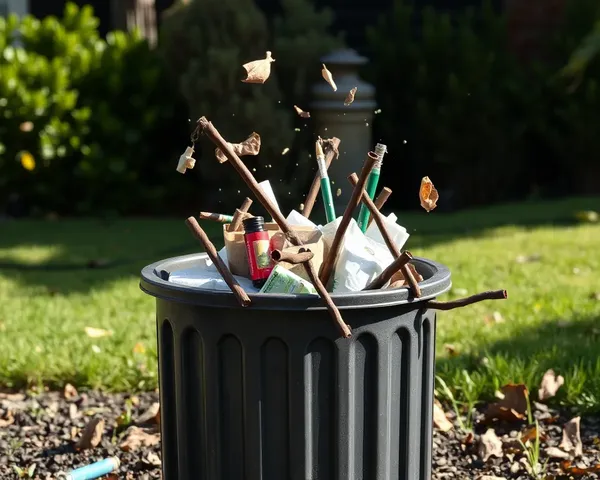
(463,302)
(258,71)
(328,78)
(240,215)
(301,113)
(350,97)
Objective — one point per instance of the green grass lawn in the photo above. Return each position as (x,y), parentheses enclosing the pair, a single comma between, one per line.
(550,320)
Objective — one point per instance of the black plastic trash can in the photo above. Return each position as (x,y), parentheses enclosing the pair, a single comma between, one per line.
(272,392)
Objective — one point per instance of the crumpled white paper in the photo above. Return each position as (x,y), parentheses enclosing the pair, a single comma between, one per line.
(397,232)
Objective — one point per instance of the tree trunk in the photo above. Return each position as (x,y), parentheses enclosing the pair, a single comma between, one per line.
(130,14)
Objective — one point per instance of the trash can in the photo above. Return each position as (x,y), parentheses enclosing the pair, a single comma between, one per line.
(272,392)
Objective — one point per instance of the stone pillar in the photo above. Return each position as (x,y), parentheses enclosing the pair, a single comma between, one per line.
(351,124)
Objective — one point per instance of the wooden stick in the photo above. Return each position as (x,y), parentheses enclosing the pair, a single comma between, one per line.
(215,217)
(291,257)
(463,302)
(380,201)
(333,310)
(389,272)
(393,248)
(211,132)
(331,147)
(329,261)
(239,215)
(239,293)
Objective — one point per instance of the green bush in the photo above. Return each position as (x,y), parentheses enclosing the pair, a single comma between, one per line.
(97,116)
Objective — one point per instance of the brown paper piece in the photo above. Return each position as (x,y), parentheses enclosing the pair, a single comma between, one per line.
(350,96)
(250,146)
(259,70)
(328,78)
(428,194)
(399,280)
(238,259)
(301,112)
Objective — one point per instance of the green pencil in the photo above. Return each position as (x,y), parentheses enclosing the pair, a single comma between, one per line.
(371,188)
(325,185)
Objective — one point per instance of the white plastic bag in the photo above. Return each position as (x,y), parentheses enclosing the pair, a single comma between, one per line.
(397,232)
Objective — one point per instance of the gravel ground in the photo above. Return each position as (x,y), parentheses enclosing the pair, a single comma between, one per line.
(43,430)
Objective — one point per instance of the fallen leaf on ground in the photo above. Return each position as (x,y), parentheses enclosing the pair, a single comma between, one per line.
(97,332)
(440,421)
(70,392)
(468,439)
(152,415)
(259,70)
(550,385)
(489,445)
(512,406)
(530,432)
(554,452)
(428,195)
(6,419)
(451,349)
(152,460)
(301,113)
(250,146)
(92,434)
(571,469)
(350,97)
(328,78)
(571,441)
(136,437)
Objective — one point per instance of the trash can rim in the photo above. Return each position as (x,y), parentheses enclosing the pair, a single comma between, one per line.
(437,280)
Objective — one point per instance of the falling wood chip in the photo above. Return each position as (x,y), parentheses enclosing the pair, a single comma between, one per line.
(152,415)
(571,441)
(328,78)
(92,434)
(250,146)
(259,70)
(136,437)
(301,112)
(489,445)
(550,385)
(350,97)
(513,405)
(440,421)
(428,195)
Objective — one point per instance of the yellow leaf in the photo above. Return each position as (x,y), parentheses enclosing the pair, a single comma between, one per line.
(27,161)
(97,332)
(139,348)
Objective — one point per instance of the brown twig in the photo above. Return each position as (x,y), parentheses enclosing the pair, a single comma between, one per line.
(380,201)
(215,217)
(236,288)
(329,261)
(238,216)
(331,149)
(463,302)
(333,310)
(291,257)
(389,272)
(392,247)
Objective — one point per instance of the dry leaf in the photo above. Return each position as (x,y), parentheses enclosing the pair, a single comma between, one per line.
(398,276)
(489,445)
(512,406)
(139,348)
(428,195)
(301,112)
(571,441)
(6,419)
(136,437)
(328,78)
(451,349)
(92,434)
(70,392)
(350,97)
(440,421)
(152,415)
(152,459)
(530,432)
(554,452)
(250,146)
(97,332)
(259,70)
(550,385)
(570,469)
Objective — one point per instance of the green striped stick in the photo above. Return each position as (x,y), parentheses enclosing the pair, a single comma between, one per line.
(325,185)
(371,188)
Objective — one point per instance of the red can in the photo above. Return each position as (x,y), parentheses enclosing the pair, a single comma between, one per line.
(258,250)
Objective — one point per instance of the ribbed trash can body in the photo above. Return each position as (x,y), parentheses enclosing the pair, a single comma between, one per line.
(272,392)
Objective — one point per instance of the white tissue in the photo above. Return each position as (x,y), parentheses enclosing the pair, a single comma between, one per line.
(397,232)
(265,186)
(297,219)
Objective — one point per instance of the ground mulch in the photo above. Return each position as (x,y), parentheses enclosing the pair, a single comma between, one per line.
(43,429)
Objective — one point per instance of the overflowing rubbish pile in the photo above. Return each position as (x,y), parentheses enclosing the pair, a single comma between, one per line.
(291,254)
